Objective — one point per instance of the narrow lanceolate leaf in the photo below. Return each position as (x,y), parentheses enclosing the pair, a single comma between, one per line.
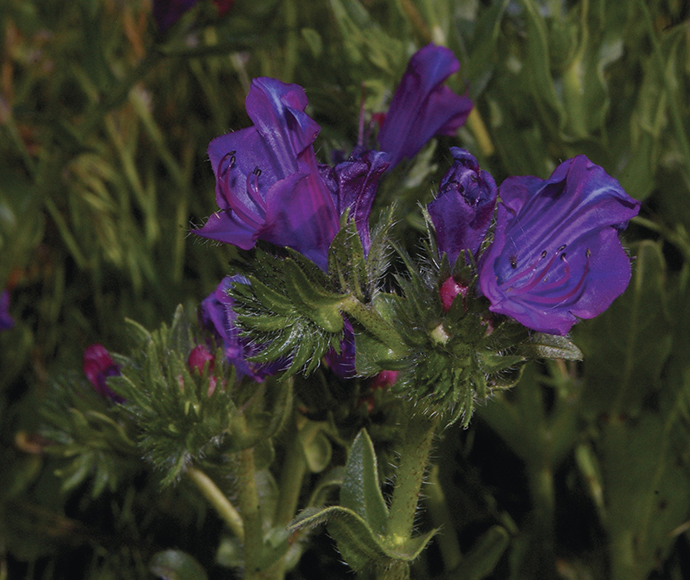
(346,264)
(541,345)
(626,347)
(360,491)
(358,544)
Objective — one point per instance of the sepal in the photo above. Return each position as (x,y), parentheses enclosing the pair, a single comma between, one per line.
(289,307)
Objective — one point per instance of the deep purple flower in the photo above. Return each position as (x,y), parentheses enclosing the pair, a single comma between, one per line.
(465,204)
(353,184)
(422,107)
(167,12)
(343,364)
(268,184)
(98,365)
(6,321)
(217,315)
(556,257)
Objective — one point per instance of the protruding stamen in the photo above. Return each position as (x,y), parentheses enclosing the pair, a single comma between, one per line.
(223,171)
(559,299)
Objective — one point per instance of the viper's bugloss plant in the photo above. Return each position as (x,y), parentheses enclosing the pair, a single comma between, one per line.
(366,305)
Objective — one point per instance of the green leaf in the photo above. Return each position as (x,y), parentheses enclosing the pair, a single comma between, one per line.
(176,565)
(645,493)
(360,547)
(626,347)
(481,62)
(551,346)
(317,450)
(484,556)
(361,492)
(346,263)
(538,65)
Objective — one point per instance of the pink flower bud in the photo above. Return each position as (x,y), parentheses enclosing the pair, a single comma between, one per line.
(449,290)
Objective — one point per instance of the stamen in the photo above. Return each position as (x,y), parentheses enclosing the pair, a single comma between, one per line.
(559,299)
(253,188)
(222,172)
(528,272)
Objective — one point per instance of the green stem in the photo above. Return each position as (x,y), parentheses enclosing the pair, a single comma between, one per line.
(248,502)
(446,538)
(218,500)
(375,323)
(481,133)
(414,455)
(541,557)
(292,474)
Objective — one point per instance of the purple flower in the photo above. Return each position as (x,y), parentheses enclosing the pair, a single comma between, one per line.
(268,184)
(422,107)
(556,257)
(6,321)
(465,204)
(217,315)
(353,185)
(98,366)
(343,364)
(167,12)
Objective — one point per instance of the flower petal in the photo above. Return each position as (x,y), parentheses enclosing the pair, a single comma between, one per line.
(556,256)
(354,183)
(422,107)
(463,209)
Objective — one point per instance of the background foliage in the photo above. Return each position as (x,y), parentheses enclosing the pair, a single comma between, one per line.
(104,124)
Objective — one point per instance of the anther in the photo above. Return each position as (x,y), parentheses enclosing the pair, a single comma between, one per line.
(561,248)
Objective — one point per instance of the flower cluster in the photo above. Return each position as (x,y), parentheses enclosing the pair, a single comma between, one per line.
(545,252)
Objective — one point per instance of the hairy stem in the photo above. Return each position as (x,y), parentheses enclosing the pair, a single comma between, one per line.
(248,500)
(218,500)
(414,455)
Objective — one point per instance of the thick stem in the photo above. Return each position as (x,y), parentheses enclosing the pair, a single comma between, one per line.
(541,556)
(218,500)
(248,503)
(414,455)
(248,499)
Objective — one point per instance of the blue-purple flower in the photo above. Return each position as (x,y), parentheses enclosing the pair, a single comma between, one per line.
(353,184)
(268,183)
(464,207)
(98,365)
(556,257)
(6,321)
(422,106)
(217,315)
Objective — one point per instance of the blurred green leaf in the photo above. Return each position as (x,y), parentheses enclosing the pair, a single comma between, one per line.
(626,347)
(645,493)
(176,565)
